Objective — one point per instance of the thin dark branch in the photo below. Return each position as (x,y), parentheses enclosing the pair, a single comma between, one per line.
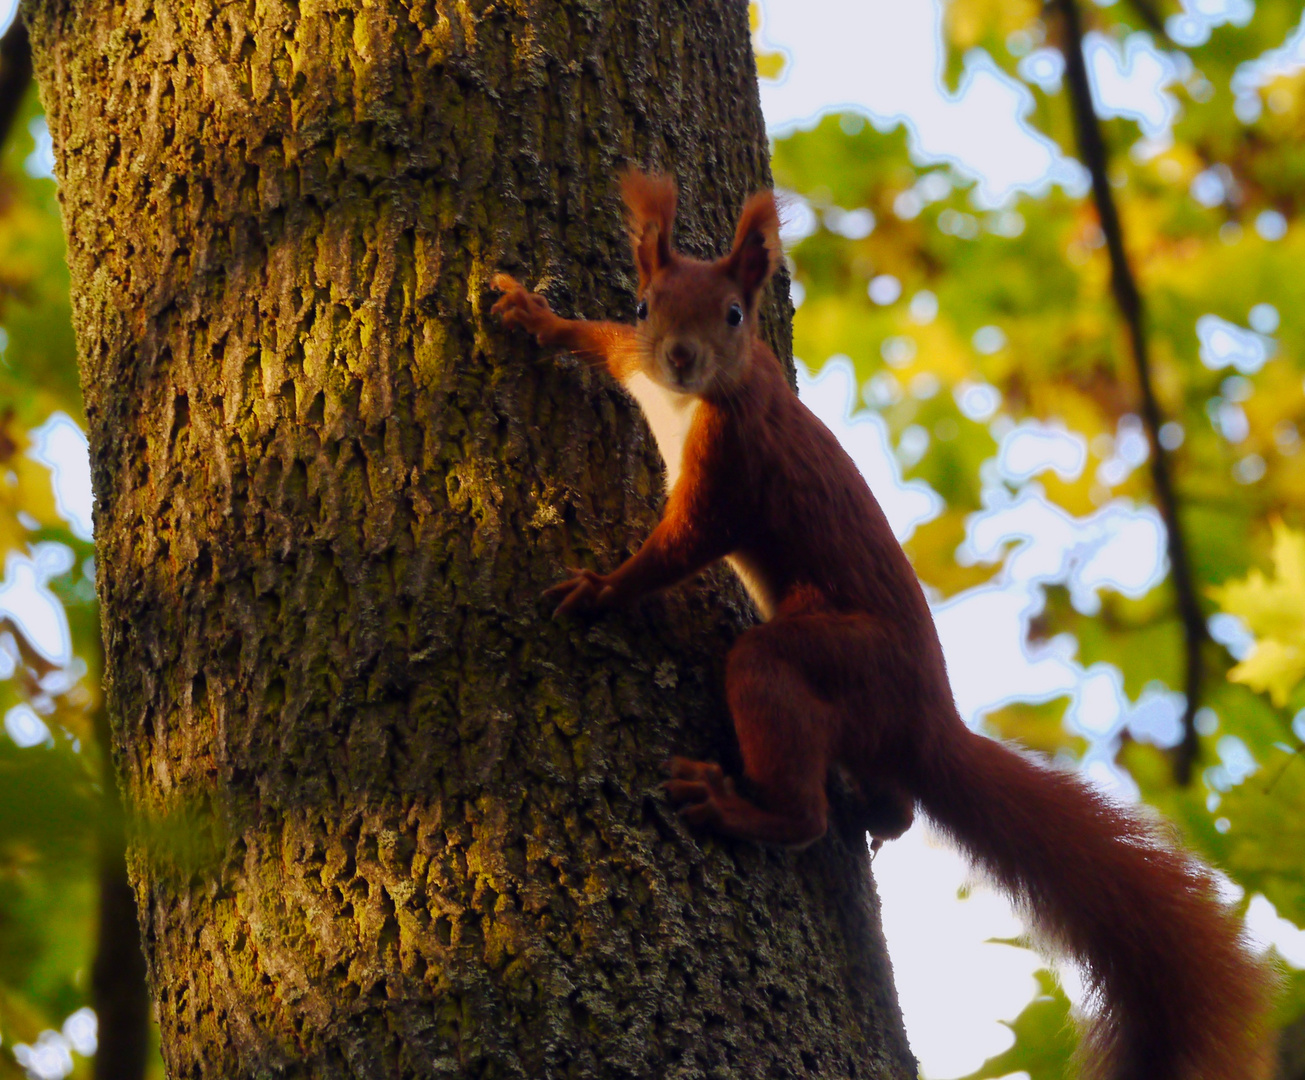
(15,75)
(118,988)
(1291,1051)
(119,993)
(1155,22)
(1092,147)
(39,666)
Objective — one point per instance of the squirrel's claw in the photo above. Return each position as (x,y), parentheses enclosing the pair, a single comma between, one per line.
(520,307)
(585,590)
(698,789)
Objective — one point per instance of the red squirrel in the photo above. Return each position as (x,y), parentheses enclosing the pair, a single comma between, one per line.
(846,673)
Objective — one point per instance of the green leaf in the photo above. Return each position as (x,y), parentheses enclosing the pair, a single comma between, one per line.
(1044,1038)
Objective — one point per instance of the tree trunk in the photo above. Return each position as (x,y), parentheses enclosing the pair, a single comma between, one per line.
(422,829)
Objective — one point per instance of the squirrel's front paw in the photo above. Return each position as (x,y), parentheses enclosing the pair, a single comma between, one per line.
(519,307)
(585,590)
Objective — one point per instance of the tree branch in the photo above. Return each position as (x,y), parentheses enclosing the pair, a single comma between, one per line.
(1291,1051)
(1150,15)
(15,75)
(119,993)
(1129,300)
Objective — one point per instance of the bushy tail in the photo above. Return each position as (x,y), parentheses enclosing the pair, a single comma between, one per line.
(1178,994)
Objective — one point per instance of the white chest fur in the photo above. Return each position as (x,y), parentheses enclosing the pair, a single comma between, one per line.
(756,584)
(670,415)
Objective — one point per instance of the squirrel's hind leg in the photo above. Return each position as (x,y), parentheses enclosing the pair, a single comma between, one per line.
(800,690)
(707,798)
(788,731)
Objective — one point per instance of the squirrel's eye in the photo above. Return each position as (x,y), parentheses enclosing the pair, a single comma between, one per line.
(735,315)
(642,310)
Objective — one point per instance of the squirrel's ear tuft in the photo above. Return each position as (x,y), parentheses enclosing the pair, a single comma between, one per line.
(650,198)
(756,252)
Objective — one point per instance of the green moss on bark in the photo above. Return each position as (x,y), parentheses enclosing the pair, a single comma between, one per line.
(329,493)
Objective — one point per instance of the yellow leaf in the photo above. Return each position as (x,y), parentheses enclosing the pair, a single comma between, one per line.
(1274,610)
(770,65)
(1274,667)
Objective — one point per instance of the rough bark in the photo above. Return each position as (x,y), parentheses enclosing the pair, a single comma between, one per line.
(426,837)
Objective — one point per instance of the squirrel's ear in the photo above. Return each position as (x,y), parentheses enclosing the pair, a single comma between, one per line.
(650,198)
(756,252)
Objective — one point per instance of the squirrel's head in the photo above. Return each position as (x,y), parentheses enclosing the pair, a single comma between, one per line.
(696,320)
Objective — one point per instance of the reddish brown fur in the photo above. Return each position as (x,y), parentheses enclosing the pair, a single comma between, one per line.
(848,674)
(756,252)
(651,199)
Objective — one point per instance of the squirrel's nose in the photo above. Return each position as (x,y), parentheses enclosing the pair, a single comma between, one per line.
(681,358)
